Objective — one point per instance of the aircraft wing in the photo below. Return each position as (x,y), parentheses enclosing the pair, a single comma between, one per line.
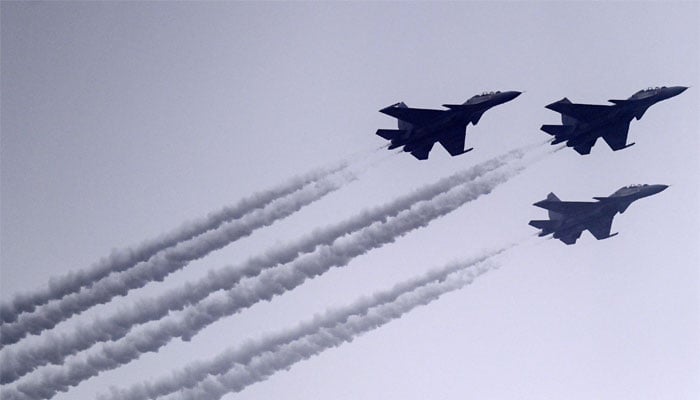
(422,152)
(453,140)
(567,207)
(415,116)
(616,135)
(600,227)
(581,112)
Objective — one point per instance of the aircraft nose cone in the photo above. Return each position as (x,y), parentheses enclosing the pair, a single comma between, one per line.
(654,189)
(676,90)
(508,96)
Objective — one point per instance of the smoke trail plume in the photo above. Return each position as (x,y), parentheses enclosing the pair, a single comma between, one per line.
(166,262)
(266,364)
(244,354)
(55,349)
(269,284)
(121,260)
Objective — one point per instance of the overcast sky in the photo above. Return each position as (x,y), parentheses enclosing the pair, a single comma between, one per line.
(121,121)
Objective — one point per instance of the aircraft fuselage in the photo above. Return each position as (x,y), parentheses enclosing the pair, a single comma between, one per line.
(586,131)
(418,136)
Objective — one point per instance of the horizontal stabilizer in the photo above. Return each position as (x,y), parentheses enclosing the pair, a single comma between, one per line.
(390,134)
(558,130)
(547,226)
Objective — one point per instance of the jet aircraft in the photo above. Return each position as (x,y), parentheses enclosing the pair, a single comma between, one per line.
(583,124)
(419,129)
(568,219)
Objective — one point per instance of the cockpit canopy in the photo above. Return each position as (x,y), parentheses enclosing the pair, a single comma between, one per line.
(488,93)
(623,191)
(644,93)
(650,89)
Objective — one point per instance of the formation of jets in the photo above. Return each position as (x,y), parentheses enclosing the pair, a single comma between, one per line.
(582,124)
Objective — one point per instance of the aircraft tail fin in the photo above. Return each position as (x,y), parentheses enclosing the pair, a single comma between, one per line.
(390,134)
(552,197)
(403,125)
(553,215)
(567,119)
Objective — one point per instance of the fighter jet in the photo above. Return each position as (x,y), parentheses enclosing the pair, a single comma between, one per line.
(568,219)
(420,128)
(583,124)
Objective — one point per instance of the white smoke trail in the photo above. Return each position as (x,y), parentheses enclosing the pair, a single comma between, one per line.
(244,354)
(167,261)
(264,365)
(121,260)
(269,284)
(55,349)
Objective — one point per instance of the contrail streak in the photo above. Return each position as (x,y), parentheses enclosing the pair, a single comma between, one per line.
(265,365)
(269,284)
(191,375)
(121,260)
(167,261)
(55,349)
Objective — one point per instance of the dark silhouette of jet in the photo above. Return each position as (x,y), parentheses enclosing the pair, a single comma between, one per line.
(419,129)
(568,219)
(583,124)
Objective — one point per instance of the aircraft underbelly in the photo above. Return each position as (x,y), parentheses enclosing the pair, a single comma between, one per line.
(426,136)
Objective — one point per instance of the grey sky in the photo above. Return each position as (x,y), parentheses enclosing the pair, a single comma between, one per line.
(122,120)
